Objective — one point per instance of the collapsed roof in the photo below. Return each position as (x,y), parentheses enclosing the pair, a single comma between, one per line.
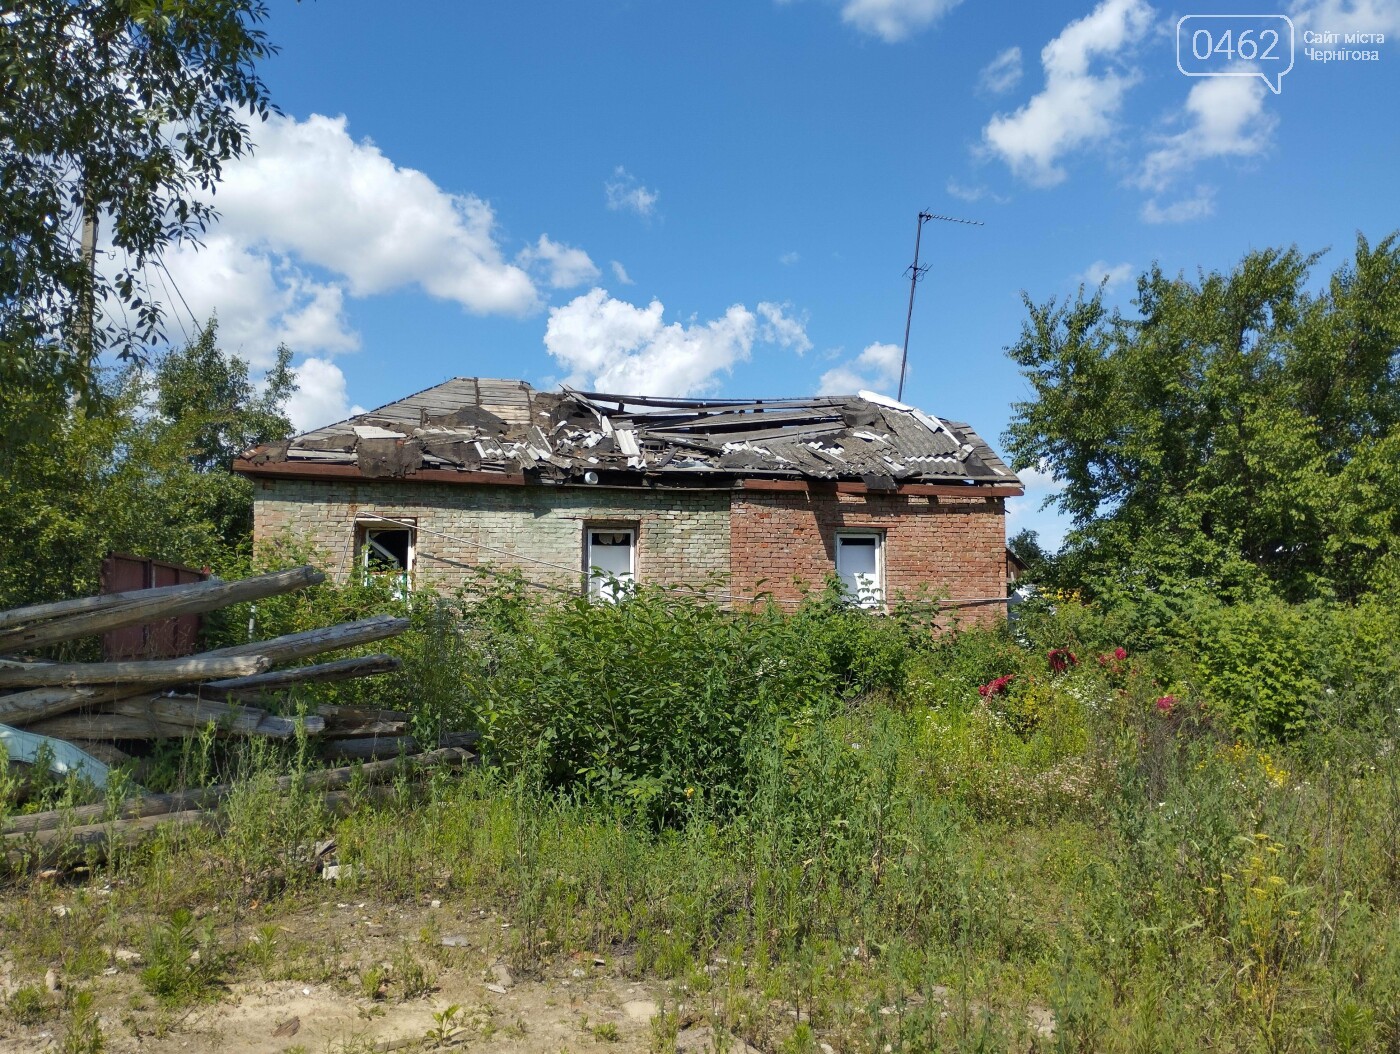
(478,425)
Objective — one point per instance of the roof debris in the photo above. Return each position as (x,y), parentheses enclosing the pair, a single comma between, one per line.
(479,425)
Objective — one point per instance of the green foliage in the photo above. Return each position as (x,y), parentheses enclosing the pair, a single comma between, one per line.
(149,475)
(29,1005)
(664,696)
(134,123)
(1236,437)
(184,963)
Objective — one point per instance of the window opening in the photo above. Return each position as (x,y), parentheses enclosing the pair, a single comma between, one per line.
(860,566)
(386,554)
(611,559)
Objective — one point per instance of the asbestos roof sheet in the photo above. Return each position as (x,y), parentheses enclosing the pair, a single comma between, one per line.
(476,424)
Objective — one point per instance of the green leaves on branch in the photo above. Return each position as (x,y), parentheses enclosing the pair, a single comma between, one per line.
(1239,433)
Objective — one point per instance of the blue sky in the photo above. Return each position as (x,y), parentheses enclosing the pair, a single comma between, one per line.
(720,197)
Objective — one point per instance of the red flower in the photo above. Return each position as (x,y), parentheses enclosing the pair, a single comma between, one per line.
(1120,653)
(1061,659)
(1165,704)
(996,687)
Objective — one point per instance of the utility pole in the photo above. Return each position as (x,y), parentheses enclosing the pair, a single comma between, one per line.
(87,307)
(915,272)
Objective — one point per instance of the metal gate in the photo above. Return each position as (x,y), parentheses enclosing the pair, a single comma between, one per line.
(166,639)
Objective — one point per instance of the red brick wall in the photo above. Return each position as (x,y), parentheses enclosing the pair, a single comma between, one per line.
(955,546)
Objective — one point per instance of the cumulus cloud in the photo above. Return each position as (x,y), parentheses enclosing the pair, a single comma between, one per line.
(1084,90)
(1224,117)
(894,20)
(1101,271)
(613,345)
(620,273)
(311,190)
(564,267)
(1001,74)
(261,299)
(875,368)
(625,193)
(1197,207)
(790,258)
(320,398)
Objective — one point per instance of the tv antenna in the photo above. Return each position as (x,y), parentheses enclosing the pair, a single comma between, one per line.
(915,272)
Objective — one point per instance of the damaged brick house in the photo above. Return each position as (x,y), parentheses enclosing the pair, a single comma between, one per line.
(739,498)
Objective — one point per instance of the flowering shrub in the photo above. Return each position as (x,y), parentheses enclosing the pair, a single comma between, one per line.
(997,686)
(1165,704)
(1061,659)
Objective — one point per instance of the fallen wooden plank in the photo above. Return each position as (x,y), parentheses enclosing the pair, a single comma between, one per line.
(70,619)
(107,726)
(133,675)
(386,746)
(205,797)
(339,670)
(295,646)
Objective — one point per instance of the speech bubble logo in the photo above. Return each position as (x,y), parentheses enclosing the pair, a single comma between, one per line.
(1236,46)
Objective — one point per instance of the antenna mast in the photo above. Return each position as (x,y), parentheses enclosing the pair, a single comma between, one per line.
(915,272)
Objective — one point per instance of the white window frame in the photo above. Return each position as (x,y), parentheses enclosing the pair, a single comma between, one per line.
(364,525)
(599,587)
(873,598)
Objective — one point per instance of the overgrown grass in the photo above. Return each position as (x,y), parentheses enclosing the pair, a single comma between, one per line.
(925,849)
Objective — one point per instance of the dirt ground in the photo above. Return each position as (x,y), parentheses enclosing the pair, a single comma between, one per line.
(577,1003)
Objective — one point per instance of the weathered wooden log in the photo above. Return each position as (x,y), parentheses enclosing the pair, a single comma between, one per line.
(94,841)
(151,726)
(207,797)
(362,721)
(103,752)
(295,646)
(339,670)
(135,674)
(46,624)
(387,746)
(191,712)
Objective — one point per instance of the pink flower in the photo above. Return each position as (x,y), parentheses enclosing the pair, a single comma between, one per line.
(1165,704)
(1120,653)
(1061,659)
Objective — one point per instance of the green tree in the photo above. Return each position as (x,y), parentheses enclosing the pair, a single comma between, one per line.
(150,474)
(122,109)
(1232,435)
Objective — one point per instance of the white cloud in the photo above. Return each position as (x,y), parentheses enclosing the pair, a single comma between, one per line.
(1226,117)
(1112,275)
(1077,106)
(875,368)
(778,327)
(894,20)
(790,258)
(625,193)
(311,190)
(1347,16)
(612,345)
(564,265)
(320,398)
(261,299)
(620,273)
(966,193)
(1201,205)
(1001,74)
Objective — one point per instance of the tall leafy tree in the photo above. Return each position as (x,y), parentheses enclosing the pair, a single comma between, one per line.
(1232,434)
(150,474)
(123,110)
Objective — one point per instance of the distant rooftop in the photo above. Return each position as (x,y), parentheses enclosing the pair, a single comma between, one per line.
(481,425)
